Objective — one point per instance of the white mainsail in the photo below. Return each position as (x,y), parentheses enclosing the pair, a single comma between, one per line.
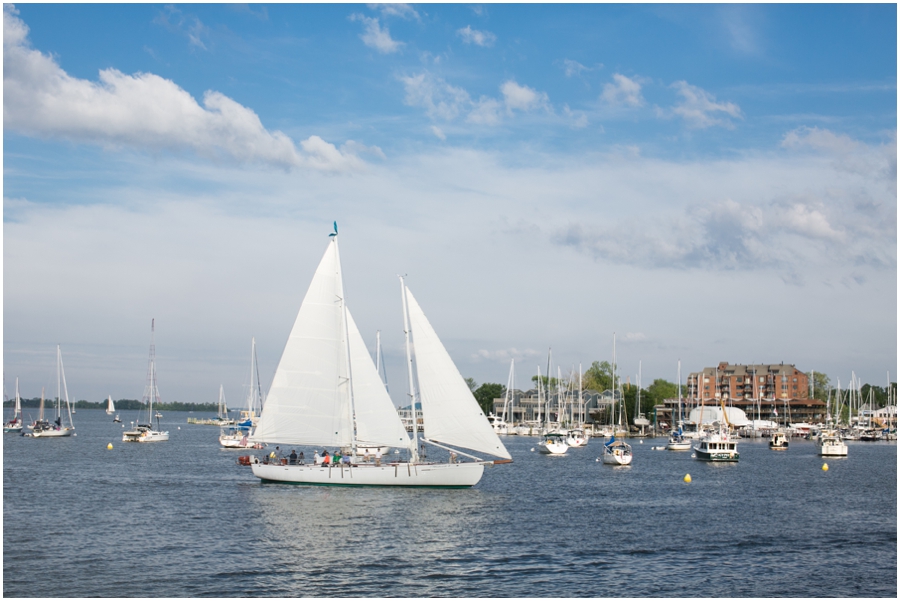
(377,421)
(450,413)
(309,400)
(110,406)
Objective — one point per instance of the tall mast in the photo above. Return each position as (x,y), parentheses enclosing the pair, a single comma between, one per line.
(412,385)
(58,381)
(345,332)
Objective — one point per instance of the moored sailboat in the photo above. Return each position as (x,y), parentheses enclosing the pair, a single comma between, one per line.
(44,429)
(326,392)
(15,423)
(617,452)
(237,434)
(144,432)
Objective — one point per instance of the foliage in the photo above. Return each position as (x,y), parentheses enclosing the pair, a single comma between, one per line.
(121,405)
(821,384)
(547,383)
(472,384)
(599,376)
(486,393)
(659,391)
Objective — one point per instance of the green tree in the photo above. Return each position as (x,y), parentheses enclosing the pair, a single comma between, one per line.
(548,383)
(472,384)
(486,393)
(659,391)
(821,384)
(598,376)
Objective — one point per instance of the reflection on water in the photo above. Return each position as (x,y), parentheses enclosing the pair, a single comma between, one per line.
(182,519)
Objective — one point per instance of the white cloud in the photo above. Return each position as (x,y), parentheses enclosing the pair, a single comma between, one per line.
(404,11)
(819,139)
(191,27)
(142,111)
(700,109)
(579,118)
(439,99)
(375,36)
(485,112)
(523,98)
(438,132)
(634,337)
(624,91)
(504,355)
(571,67)
(479,38)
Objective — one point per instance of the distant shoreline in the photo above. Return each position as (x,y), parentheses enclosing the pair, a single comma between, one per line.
(121,405)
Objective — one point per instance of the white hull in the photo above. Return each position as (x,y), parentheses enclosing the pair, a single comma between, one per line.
(53,433)
(552,448)
(678,445)
(617,454)
(576,439)
(833,450)
(446,475)
(145,436)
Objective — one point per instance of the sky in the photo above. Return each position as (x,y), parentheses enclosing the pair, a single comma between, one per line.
(704,183)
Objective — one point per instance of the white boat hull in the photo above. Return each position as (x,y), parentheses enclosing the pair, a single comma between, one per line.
(145,436)
(617,454)
(53,433)
(678,445)
(552,448)
(442,475)
(833,450)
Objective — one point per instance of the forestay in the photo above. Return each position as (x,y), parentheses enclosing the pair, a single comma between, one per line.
(450,413)
(309,401)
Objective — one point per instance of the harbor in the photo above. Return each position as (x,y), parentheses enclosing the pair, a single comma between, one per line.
(543,526)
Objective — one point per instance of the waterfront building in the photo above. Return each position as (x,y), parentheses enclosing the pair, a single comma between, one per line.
(737,382)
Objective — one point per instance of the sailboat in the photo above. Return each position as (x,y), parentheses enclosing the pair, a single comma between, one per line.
(222,418)
(327,392)
(43,429)
(144,432)
(237,435)
(15,424)
(110,406)
(551,442)
(616,452)
(677,441)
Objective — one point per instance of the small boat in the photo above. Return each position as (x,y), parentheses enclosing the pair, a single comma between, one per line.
(576,438)
(15,423)
(110,406)
(677,440)
(717,446)
(144,432)
(237,435)
(117,419)
(779,441)
(498,424)
(553,443)
(43,429)
(830,444)
(617,452)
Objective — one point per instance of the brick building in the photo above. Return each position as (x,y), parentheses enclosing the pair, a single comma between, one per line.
(759,390)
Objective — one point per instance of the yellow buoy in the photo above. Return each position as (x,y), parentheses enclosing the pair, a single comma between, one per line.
(687,478)
(824,467)
(109,446)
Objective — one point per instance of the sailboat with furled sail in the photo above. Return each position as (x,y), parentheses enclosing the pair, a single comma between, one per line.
(326,392)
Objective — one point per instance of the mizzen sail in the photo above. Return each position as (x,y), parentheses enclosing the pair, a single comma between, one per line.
(450,413)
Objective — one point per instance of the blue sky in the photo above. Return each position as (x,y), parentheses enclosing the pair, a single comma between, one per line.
(711,182)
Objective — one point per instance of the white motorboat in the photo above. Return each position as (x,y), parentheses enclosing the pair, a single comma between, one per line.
(718,446)
(59,428)
(553,443)
(15,423)
(498,424)
(830,444)
(616,452)
(144,432)
(343,403)
(779,441)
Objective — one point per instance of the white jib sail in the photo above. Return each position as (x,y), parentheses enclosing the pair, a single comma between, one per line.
(449,411)
(377,421)
(309,401)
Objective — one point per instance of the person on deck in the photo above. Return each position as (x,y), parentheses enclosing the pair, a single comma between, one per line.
(293,457)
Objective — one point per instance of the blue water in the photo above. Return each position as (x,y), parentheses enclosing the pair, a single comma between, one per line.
(180,518)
